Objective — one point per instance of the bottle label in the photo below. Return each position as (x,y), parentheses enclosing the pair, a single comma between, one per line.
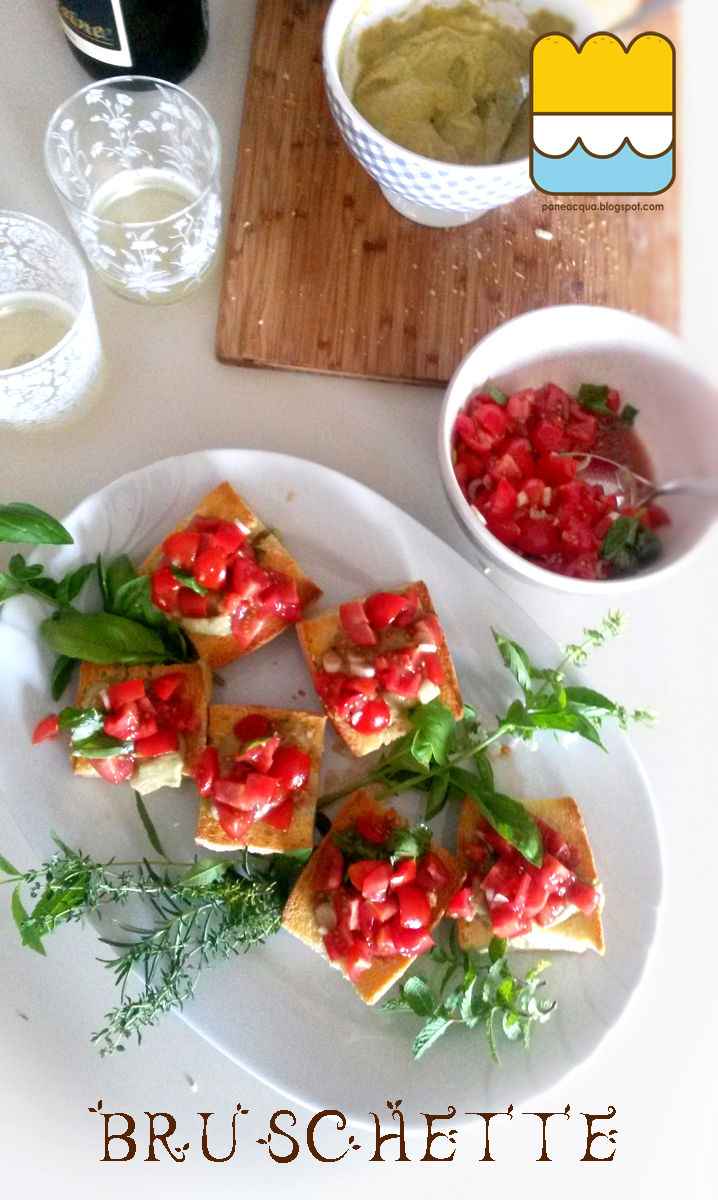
(97,27)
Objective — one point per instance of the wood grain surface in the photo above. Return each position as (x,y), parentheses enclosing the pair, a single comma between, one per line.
(321,274)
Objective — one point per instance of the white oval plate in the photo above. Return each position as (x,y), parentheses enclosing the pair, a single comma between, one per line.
(280,1012)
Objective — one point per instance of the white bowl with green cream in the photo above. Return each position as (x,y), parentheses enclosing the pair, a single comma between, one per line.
(443,113)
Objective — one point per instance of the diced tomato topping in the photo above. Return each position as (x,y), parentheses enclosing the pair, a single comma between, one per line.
(585,898)
(252,793)
(124,692)
(355,624)
(227,538)
(431,872)
(205,769)
(248,579)
(551,911)
(409,611)
(402,873)
(373,826)
(234,821)
(383,945)
(409,942)
(372,717)
(262,755)
(383,608)
(167,685)
(46,730)
(491,417)
(433,670)
(358,871)
(114,770)
(210,568)
(461,905)
(330,867)
(291,767)
(181,548)
(247,627)
(503,502)
(338,943)
(508,922)
(163,742)
(376,882)
(414,907)
(252,728)
(165,588)
(539,538)
(346,907)
(192,604)
(280,817)
(358,959)
(124,723)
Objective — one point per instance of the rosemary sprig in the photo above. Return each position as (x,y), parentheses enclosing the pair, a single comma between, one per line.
(203,912)
(487,992)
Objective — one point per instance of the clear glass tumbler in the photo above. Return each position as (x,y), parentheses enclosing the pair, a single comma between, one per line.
(50,354)
(135,162)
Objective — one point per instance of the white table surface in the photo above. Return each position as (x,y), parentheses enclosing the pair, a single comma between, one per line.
(167,395)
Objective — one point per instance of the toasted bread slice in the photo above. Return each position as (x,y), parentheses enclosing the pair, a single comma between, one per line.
(225,504)
(302,729)
(578,932)
(324,632)
(299,915)
(195,688)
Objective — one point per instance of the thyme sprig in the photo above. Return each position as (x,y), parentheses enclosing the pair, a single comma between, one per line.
(202,912)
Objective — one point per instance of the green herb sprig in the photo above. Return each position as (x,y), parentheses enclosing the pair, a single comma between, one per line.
(447,759)
(488,994)
(202,912)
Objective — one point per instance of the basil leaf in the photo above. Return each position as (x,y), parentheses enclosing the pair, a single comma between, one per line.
(82,722)
(589,701)
(411,843)
(435,727)
(148,823)
(6,867)
(61,674)
(19,569)
(628,415)
(592,396)
(72,584)
(30,525)
(356,848)
(103,638)
(133,599)
(8,587)
(566,721)
(112,578)
(496,394)
(29,935)
(629,544)
(187,579)
(508,816)
(100,745)
(516,659)
(437,797)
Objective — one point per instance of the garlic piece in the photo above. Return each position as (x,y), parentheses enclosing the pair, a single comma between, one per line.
(332,662)
(428,691)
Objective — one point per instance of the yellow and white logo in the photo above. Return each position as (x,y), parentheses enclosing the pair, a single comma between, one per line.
(603,119)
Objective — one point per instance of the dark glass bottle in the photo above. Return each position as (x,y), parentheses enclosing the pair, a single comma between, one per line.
(163,38)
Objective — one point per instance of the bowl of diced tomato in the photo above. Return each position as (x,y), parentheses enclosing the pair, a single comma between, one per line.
(524,410)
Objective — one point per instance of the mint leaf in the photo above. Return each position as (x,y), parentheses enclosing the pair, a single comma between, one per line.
(426,1037)
(417,994)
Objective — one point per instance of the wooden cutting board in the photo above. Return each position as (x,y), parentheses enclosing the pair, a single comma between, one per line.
(321,274)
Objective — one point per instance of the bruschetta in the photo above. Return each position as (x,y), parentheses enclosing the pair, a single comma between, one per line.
(373,658)
(227,579)
(368,910)
(258,778)
(556,906)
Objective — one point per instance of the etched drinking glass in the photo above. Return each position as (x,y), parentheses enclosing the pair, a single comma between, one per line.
(50,356)
(135,162)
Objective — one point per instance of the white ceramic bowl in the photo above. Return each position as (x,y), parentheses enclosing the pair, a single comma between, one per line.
(574,344)
(422,189)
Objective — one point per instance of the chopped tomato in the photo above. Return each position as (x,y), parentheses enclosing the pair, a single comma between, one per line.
(167,685)
(372,717)
(114,770)
(409,942)
(409,611)
(432,669)
(164,741)
(383,945)
(165,588)
(414,907)
(191,604)
(346,903)
(383,608)
(372,826)
(508,922)
(46,730)
(205,769)
(262,755)
(210,568)
(124,692)
(338,944)
(376,882)
(329,869)
(252,727)
(227,538)
(246,628)
(358,959)
(280,817)
(584,897)
(252,793)
(181,548)
(124,723)
(403,872)
(234,821)
(461,905)
(355,624)
(248,579)
(431,872)
(291,767)
(358,871)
